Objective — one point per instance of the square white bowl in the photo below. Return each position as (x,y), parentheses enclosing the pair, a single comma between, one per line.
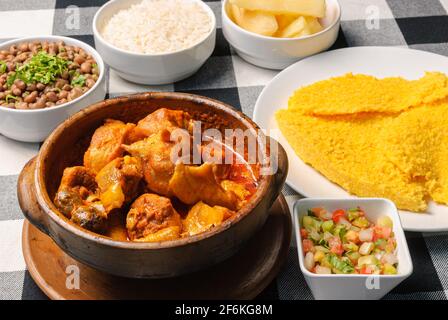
(354,286)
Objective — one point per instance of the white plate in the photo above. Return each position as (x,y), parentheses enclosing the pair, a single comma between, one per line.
(376,61)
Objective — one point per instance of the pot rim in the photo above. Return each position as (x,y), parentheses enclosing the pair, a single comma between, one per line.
(52,212)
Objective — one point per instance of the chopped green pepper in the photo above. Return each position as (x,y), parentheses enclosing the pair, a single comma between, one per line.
(343,266)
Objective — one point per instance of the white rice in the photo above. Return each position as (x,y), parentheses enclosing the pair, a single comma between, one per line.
(158,26)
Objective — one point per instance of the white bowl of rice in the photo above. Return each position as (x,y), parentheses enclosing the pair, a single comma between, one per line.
(155,41)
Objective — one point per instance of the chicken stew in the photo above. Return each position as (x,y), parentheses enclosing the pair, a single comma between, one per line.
(130,189)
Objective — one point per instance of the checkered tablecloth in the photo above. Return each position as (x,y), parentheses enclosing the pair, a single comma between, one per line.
(419,24)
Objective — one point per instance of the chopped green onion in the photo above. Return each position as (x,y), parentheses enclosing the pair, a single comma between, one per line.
(3,67)
(78,80)
(42,67)
(10,97)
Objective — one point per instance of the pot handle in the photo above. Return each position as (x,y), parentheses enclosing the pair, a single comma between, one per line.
(282,168)
(26,193)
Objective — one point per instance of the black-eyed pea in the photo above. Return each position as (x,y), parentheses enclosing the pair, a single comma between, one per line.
(20,84)
(31,87)
(45,46)
(52,96)
(67,87)
(60,83)
(61,101)
(21,105)
(75,93)
(73,66)
(63,94)
(62,54)
(16,91)
(40,86)
(65,75)
(13,49)
(23,46)
(11,66)
(79,59)
(40,103)
(31,97)
(86,67)
(52,48)
(21,57)
(90,83)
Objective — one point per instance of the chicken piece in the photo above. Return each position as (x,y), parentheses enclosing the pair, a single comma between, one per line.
(164,119)
(242,180)
(149,215)
(192,184)
(91,217)
(166,234)
(106,144)
(119,181)
(158,167)
(77,186)
(77,198)
(240,191)
(202,217)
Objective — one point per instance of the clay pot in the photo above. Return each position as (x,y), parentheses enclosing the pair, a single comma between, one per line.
(65,147)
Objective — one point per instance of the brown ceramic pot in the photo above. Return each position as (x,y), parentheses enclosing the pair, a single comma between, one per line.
(65,147)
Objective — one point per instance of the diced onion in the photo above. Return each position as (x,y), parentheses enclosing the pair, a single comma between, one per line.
(322,270)
(345,222)
(389,258)
(366,235)
(309,261)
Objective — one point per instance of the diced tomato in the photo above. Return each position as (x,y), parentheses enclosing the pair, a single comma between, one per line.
(308,245)
(366,270)
(335,245)
(313,270)
(338,214)
(381,233)
(303,233)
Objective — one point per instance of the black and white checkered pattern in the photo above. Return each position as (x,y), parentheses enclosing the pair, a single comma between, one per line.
(410,23)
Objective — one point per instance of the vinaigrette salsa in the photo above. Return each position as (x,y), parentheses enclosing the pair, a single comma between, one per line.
(346,242)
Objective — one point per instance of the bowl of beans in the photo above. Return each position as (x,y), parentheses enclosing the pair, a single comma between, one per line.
(44,80)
